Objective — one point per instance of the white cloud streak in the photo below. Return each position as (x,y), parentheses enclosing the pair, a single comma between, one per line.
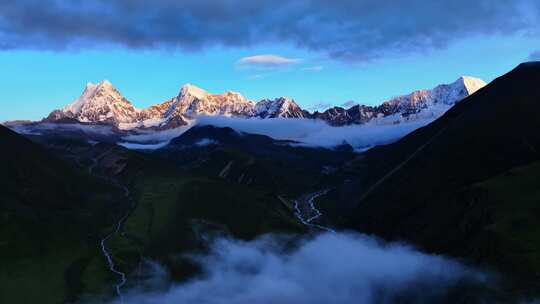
(267,61)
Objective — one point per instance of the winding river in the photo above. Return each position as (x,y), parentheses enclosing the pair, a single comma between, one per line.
(117,230)
(307,212)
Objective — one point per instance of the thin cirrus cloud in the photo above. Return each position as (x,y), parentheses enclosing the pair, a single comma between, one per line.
(267,61)
(347,30)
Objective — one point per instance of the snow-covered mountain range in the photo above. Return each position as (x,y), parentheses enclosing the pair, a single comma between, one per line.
(102,103)
(421,104)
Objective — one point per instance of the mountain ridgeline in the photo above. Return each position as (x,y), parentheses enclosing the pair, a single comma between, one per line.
(102,103)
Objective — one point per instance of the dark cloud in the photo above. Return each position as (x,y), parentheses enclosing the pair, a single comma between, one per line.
(346,29)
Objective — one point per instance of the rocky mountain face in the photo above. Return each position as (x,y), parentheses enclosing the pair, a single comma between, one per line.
(193,101)
(282,107)
(98,103)
(102,103)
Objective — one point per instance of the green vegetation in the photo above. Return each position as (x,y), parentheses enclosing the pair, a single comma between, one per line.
(173,210)
(513,199)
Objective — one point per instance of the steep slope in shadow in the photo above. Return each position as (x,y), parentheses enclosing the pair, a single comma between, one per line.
(424,188)
(51,217)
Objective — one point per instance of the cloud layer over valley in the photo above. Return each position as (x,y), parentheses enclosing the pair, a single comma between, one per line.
(306,132)
(316,133)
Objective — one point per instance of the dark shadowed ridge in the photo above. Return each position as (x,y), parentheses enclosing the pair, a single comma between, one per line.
(435,186)
(223,135)
(260,145)
(51,217)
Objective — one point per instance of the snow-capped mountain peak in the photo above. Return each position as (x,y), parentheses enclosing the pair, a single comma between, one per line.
(103,92)
(105,84)
(280,107)
(189,89)
(472,84)
(427,104)
(418,105)
(100,102)
(193,101)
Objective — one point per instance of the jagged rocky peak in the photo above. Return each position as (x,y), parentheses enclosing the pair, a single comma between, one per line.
(90,87)
(193,101)
(420,104)
(235,95)
(195,91)
(427,104)
(100,102)
(280,107)
(447,94)
(95,95)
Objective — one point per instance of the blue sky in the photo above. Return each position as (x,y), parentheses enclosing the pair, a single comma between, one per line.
(37,78)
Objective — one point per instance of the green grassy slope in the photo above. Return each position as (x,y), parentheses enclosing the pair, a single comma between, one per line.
(177,209)
(512,201)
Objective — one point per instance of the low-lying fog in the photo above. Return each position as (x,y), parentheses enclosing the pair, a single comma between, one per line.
(329,268)
(308,132)
(317,132)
